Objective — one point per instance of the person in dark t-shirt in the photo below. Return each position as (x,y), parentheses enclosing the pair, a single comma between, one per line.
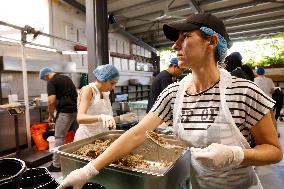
(162,80)
(234,65)
(62,97)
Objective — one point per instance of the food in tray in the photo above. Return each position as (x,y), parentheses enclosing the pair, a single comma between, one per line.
(131,160)
(157,138)
(162,141)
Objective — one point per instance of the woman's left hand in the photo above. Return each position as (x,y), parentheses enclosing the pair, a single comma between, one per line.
(218,156)
(77,178)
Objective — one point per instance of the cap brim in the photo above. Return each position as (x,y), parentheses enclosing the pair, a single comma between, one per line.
(171,31)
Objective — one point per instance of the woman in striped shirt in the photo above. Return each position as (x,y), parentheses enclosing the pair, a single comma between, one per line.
(225,120)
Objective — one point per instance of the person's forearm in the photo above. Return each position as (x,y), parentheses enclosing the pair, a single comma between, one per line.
(120,147)
(51,109)
(87,119)
(262,155)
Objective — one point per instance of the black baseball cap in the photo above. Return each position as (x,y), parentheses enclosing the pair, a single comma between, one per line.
(193,22)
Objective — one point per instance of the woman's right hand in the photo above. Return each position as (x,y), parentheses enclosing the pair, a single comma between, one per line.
(79,177)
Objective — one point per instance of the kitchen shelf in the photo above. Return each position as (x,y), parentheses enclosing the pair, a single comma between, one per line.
(135,92)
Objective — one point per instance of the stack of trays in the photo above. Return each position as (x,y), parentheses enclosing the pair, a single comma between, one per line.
(38,178)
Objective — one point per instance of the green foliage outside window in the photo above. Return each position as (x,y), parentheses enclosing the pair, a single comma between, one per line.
(277,46)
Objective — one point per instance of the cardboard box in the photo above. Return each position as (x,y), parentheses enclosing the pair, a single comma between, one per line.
(142,51)
(119,46)
(126,49)
(112,45)
(71,32)
(134,49)
(124,64)
(138,50)
(117,63)
(131,64)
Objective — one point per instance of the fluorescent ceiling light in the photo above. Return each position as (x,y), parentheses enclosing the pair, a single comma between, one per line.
(41,48)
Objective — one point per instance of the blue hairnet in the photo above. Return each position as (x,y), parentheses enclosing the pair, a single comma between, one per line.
(174,61)
(44,71)
(222,45)
(260,71)
(106,72)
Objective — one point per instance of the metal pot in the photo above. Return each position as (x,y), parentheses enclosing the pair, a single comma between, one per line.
(124,108)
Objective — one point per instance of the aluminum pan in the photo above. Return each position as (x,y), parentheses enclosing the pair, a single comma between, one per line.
(152,153)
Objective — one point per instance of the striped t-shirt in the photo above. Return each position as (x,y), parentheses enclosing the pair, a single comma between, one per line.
(246,101)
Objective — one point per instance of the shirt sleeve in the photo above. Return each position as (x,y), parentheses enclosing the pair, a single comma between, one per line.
(50,88)
(163,106)
(258,105)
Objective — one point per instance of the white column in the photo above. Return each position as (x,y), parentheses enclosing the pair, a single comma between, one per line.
(26,95)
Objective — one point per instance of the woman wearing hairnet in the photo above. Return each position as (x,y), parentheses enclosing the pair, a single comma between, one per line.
(225,120)
(94,108)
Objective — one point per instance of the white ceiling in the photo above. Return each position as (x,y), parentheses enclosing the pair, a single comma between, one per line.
(244,19)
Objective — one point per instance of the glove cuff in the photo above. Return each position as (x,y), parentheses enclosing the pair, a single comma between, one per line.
(90,170)
(238,155)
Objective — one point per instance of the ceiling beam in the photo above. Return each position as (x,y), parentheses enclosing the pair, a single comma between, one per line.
(76,4)
(256,24)
(195,6)
(148,17)
(257,30)
(136,7)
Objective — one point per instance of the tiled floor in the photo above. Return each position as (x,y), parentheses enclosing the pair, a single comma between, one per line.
(271,176)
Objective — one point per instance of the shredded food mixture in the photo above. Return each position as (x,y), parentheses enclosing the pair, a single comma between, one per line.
(131,160)
(157,138)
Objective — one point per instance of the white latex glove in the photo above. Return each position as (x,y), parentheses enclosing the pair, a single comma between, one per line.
(79,177)
(108,121)
(218,156)
(130,117)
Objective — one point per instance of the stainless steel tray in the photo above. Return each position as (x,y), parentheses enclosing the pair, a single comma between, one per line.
(121,177)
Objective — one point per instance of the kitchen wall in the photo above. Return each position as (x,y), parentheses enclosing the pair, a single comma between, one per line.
(65,22)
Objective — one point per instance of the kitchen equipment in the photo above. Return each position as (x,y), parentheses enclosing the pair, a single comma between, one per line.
(133,82)
(124,108)
(164,145)
(11,171)
(121,177)
(38,178)
(125,125)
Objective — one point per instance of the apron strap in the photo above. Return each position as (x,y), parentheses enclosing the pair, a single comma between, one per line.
(179,100)
(226,80)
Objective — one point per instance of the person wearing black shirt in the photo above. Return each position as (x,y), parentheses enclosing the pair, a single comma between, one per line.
(162,80)
(233,64)
(62,97)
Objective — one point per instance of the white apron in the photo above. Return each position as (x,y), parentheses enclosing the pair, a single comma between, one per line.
(222,131)
(97,106)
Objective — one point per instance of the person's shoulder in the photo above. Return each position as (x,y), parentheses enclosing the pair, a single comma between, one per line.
(242,83)
(173,86)
(62,76)
(162,74)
